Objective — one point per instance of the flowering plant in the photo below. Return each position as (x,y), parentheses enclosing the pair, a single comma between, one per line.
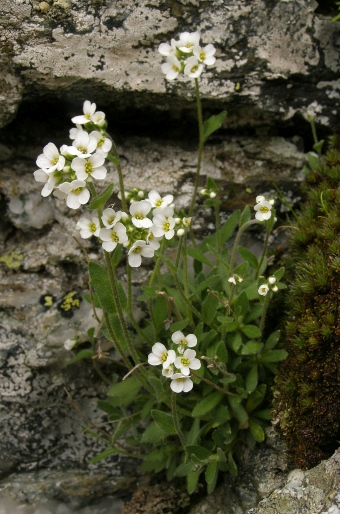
(197,365)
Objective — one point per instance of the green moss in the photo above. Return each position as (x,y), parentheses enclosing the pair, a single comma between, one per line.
(306,395)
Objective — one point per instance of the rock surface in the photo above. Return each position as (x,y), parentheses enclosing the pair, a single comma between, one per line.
(277,59)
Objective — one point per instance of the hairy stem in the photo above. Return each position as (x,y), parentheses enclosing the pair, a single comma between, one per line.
(200,146)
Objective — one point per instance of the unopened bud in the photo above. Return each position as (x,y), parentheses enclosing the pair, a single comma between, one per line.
(271,280)
(212,195)
(141,194)
(180,232)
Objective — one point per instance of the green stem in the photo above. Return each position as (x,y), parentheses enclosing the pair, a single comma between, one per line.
(192,309)
(129,304)
(264,251)
(217,223)
(158,262)
(116,161)
(175,419)
(264,312)
(200,146)
(179,250)
(228,393)
(236,243)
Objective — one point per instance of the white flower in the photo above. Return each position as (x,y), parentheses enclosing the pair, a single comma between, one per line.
(51,180)
(104,144)
(90,114)
(206,54)
(91,167)
(186,222)
(152,240)
(83,145)
(187,361)
(157,201)
(166,49)
(163,226)
(110,217)
(139,212)
(271,280)
(76,193)
(112,236)
(263,290)
(263,211)
(70,343)
(167,211)
(181,383)
(74,131)
(193,68)
(88,227)
(233,279)
(160,355)
(138,250)
(171,68)
(184,342)
(168,372)
(187,41)
(50,160)
(260,199)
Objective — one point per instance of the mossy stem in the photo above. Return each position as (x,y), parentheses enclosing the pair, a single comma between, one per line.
(200,146)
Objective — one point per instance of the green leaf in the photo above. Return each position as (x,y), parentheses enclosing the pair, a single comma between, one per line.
(100,281)
(274,356)
(212,124)
(256,397)
(160,312)
(101,199)
(164,421)
(116,255)
(245,216)
(241,269)
(156,385)
(238,410)
(221,352)
(256,431)
(117,330)
(318,146)
(83,354)
(179,325)
(279,274)
(211,474)
(251,348)
(272,340)
(248,257)
(198,255)
(193,434)
(251,331)
(124,392)
(252,379)
(203,454)
(235,341)
(232,465)
(192,480)
(229,226)
(264,414)
(209,307)
(103,455)
(313,160)
(243,303)
(153,434)
(207,404)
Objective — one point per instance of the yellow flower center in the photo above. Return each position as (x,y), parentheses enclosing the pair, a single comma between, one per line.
(100,143)
(164,356)
(138,249)
(114,237)
(185,361)
(183,342)
(88,167)
(159,202)
(194,69)
(55,160)
(264,209)
(82,149)
(202,56)
(92,227)
(139,216)
(77,191)
(166,226)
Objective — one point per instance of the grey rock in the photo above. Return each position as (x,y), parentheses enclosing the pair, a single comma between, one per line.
(315,491)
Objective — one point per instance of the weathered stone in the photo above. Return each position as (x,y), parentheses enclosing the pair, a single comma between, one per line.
(274,58)
(315,491)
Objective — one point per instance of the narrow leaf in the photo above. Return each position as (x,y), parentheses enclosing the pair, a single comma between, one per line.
(207,404)
(100,281)
(248,256)
(99,201)
(212,124)
(83,354)
(164,421)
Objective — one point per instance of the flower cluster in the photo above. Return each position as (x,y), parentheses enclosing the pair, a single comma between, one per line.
(269,286)
(140,230)
(67,172)
(176,366)
(186,56)
(263,208)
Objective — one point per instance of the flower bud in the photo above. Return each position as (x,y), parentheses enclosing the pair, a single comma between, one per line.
(275,289)
(141,194)
(180,232)
(271,280)
(212,195)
